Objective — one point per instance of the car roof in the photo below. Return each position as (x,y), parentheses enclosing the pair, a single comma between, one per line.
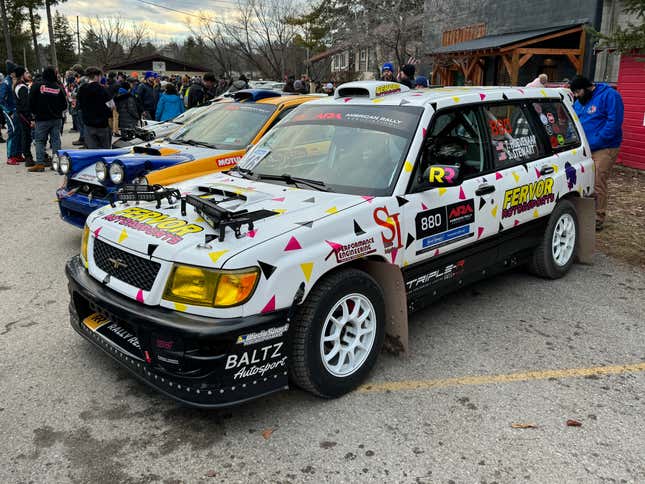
(395,94)
(288,98)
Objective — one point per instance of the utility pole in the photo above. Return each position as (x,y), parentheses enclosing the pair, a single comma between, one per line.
(52,38)
(78,39)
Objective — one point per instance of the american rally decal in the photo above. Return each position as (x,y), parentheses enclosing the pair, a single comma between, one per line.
(443,225)
(156,224)
(527,197)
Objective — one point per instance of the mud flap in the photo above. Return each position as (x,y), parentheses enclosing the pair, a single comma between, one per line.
(586,211)
(390,279)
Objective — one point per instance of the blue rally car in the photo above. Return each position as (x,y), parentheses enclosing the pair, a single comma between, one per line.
(220,135)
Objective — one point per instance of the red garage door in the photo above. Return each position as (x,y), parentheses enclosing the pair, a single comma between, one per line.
(631,81)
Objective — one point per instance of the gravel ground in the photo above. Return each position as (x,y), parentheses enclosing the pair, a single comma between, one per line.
(70,414)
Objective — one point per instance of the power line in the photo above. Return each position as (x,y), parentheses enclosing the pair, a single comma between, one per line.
(183,12)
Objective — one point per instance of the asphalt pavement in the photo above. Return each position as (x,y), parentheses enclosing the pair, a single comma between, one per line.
(511,351)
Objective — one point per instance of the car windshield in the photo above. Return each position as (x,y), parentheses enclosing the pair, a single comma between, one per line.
(351,149)
(229,126)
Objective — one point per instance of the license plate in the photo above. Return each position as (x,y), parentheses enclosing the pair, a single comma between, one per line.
(95,321)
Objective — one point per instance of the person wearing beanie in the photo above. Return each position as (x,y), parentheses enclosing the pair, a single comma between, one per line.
(8,106)
(406,75)
(145,95)
(96,110)
(47,102)
(421,82)
(600,110)
(126,106)
(387,72)
(24,116)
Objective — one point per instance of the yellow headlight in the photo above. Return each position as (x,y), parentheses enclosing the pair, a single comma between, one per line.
(235,287)
(203,287)
(84,240)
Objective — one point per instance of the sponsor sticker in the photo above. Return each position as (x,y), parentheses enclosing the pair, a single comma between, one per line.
(156,224)
(256,362)
(443,225)
(528,197)
(385,89)
(261,336)
(390,222)
(436,276)
(351,251)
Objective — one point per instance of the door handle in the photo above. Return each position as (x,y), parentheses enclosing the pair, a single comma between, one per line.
(484,190)
(546,170)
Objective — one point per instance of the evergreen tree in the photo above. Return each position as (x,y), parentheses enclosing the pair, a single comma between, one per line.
(630,37)
(64,42)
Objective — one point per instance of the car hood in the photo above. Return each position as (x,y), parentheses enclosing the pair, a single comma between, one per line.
(166,234)
(142,153)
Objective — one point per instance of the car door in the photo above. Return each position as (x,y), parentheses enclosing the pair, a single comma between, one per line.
(443,219)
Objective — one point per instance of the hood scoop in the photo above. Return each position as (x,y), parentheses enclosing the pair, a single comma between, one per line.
(149,150)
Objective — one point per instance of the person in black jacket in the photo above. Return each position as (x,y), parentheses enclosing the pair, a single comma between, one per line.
(196,94)
(145,95)
(47,102)
(127,108)
(24,115)
(96,109)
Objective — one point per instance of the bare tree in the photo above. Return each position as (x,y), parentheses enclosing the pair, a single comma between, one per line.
(5,29)
(112,39)
(218,44)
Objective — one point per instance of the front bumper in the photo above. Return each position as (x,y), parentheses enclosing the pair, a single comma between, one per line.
(75,209)
(199,361)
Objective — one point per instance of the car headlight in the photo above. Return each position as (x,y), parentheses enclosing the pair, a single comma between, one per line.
(84,241)
(101,170)
(204,287)
(65,164)
(56,163)
(141,180)
(117,173)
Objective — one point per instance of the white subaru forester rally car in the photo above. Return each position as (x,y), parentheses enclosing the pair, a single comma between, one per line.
(353,211)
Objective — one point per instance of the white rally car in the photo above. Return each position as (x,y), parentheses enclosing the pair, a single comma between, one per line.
(353,211)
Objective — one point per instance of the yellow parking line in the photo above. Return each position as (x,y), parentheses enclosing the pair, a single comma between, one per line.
(397,386)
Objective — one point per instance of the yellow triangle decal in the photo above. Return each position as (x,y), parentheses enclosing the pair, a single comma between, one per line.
(555,168)
(456,99)
(536,214)
(405,263)
(180,307)
(517,177)
(307,267)
(332,210)
(543,92)
(378,100)
(199,219)
(494,211)
(442,191)
(216,255)
(279,211)
(574,152)
(123,236)
(408,166)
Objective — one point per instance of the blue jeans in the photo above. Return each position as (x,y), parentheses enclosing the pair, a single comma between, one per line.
(43,129)
(13,134)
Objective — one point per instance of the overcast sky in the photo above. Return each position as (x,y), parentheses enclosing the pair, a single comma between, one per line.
(164,25)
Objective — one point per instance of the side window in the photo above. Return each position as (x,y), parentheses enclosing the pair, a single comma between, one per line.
(283,114)
(558,125)
(455,138)
(513,138)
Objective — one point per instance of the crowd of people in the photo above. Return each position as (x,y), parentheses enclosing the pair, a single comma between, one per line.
(35,108)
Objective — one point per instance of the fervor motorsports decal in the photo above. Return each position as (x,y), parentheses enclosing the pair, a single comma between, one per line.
(156,224)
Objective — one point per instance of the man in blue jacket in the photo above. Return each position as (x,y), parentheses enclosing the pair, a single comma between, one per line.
(8,107)
(600,109)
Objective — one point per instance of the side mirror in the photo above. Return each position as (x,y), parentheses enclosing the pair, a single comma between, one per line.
(442,175)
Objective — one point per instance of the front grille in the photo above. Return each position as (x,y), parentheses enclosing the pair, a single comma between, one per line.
(131,269)
(96,191)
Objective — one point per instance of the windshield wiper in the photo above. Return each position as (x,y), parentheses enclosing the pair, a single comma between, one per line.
(292,180)
(193,142)
(244,173)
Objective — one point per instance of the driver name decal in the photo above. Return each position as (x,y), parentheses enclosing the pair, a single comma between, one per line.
(527,197)
(156,224)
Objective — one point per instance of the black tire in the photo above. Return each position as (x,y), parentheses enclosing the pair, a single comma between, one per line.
(543,263)
(307,369)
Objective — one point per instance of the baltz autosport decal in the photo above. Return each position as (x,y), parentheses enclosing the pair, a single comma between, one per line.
(443,225)
(260,336)
(256,362)
(527,197)
(156,224)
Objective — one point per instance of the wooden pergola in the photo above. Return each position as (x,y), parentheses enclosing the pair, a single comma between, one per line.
(514,50)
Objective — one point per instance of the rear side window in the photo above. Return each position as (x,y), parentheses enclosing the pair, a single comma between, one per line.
(514,140)
(558,125)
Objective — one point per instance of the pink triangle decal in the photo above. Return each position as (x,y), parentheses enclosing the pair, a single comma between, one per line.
(462,195)
(516,223)
(498,175)
(436,252)
(424,132)
(482,96)
(521,90)
(537,173)
(423,206)
(97,232)
(251,233)
(334,245)
(270,307)
(394,253)
(140,296)
(368,198)
(347,99)
(480,231)
(582,168)
(293,244)
(281,199)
